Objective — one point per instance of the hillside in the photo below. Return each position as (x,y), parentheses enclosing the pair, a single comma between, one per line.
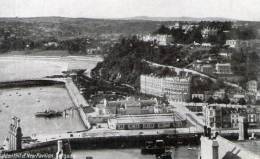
(124,63)
(61,27)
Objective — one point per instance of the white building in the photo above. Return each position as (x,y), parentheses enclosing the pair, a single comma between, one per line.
(236,44)
(219,94)
(207,69)
(251,86)
(200,96)
(151,121)
(159,39)
(130,106)
(206,32)
(226,55)
(223,69)
(206,44)
(175,88)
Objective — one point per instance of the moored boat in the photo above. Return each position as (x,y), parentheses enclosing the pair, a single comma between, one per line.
(49,114)
(157,147)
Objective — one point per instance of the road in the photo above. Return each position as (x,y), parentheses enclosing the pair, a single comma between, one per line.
(186,113)
(177,70)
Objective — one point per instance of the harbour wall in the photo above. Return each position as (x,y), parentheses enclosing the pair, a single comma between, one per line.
(78,100)
(114,142)
(29,83)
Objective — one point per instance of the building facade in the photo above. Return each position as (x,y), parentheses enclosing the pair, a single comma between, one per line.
(251,86)
(158,39)
(207,31)
(175,88)
(152,121)
(227,117)
(131,106)
(223,69)
(240,44)
(207,69)
(199,96)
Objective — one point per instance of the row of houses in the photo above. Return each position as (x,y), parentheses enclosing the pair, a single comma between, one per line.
(242,44)
(217,116)
(175,88)
(249,95)
(219,69)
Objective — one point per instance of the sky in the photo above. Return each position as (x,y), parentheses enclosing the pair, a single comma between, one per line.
(235,9)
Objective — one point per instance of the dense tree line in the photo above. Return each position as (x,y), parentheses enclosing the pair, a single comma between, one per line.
(245,64)
(124,63)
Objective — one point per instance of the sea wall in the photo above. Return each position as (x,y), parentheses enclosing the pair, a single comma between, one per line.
(78,100)
(134,141)
(29,83)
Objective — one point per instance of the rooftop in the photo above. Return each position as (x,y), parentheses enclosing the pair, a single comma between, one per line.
(151,118)
(250,145)
(131,102)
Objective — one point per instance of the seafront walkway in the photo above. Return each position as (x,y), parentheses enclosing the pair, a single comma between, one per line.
(78,100)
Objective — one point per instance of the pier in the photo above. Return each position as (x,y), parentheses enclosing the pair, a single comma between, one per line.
(78,100)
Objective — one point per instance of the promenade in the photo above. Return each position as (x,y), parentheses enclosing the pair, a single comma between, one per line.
(78,100)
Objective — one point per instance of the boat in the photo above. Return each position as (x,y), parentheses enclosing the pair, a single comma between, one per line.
(49,114)
(165,155)
(158,147)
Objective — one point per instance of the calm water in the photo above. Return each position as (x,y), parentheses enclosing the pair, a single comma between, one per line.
(25,102)
(177,153)
(19,68)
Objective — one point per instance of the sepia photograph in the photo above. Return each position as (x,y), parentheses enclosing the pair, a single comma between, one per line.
(129,79)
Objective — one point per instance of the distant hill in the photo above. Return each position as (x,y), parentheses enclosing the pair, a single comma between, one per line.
(64,27)
(61,27)
(179,18)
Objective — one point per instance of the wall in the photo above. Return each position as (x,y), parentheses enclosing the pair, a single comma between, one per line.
(29,83)
(230,150)
(78,100)
(226,149)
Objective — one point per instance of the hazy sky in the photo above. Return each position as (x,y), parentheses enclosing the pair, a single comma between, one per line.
(238,9)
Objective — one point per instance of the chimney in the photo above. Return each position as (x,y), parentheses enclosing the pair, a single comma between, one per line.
(59,154)
(205,131)
(215,149)
(209,133)
(243,134)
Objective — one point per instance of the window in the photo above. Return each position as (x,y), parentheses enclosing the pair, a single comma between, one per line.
(211,112)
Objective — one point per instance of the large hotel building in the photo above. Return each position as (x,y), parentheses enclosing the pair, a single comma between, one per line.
(176,88)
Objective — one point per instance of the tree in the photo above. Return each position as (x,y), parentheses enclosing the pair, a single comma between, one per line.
(163,30)
(210,100)
(242,101)
(226,100)
(165,100)
(219,101)
(196,100)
